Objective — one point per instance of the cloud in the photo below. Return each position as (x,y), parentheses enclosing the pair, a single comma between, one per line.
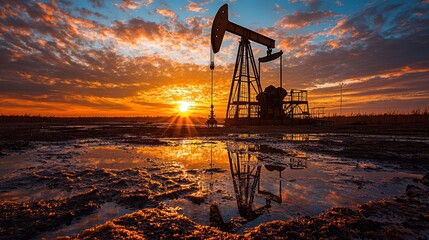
(194,7)
(297,42)
(64,72)
(136,29)
(176,39)
(399,91)
(133,4)
(375,57)
(197,24)
(303,19)
(56,60)
(87,13)
(372,19)
(393,72)
(166,13)
(381,52)
(75,66)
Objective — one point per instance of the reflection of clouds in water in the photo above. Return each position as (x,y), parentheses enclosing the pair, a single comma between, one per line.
(295,193)
(336,199)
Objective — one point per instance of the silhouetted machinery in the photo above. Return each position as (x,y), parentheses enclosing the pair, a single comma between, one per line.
(271,102)
(247,103)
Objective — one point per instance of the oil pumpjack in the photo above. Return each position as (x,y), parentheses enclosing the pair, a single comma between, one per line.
(247,103)
(246,85)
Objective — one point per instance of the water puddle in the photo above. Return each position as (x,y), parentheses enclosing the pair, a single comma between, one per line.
(246,179)
(243,179)
(106,212)
(11,163)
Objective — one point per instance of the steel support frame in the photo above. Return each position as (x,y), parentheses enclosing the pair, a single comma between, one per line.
(245,86)
(245,177)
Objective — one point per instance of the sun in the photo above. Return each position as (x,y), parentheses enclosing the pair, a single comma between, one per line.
(184,107)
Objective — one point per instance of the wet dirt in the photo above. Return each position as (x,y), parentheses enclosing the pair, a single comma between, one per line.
(239,183)
(403,217)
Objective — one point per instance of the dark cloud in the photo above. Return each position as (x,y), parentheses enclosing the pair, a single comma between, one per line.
(390,20)
(196,25)
(87,13)
(23,88)
(135,29)
(382,51)
(377,56)
(376,51)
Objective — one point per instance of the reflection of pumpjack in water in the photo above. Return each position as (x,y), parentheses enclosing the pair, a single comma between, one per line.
(246,175)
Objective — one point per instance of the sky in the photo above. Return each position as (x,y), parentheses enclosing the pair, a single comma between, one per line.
(145,57)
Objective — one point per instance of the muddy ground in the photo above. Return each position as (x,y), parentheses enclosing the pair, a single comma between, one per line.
(404,217)
(143,191)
